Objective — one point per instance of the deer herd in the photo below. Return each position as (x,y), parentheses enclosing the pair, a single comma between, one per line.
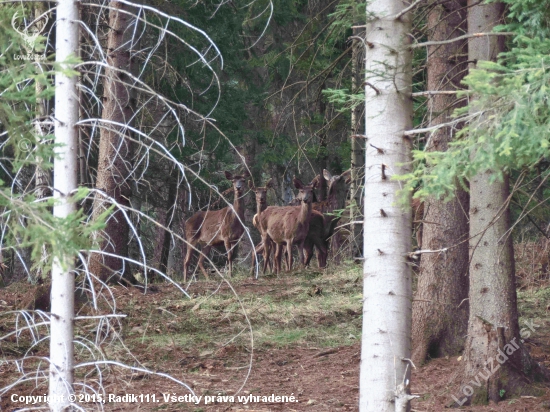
(306,223)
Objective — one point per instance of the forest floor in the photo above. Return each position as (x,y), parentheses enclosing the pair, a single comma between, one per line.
(304,345)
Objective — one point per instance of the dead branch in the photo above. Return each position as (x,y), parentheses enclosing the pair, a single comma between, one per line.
(466,36)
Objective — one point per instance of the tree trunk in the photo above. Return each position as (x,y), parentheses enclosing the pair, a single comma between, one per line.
(323,148)
(114,170)
(65,181)
(41,176)
(440,308)
(387,294)
(357,151)
(168,220)
(494,349)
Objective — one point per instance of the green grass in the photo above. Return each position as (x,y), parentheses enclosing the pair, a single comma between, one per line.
(304,308)
(532,304)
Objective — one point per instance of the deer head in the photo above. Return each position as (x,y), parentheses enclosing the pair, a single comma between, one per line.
(261,192)
(305,193)
(337,188)
(239,182)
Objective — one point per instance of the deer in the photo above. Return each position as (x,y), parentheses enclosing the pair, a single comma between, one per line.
(216,227)
(261,205)
(316,234)
(287,225)
(323,222)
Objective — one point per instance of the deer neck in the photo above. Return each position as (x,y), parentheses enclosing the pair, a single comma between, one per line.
(260,208)
(337,198)
(238,205)
(305,211)
(332,203)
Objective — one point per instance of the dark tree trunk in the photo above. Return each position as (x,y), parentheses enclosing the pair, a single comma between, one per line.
(168,220)
(440,308)
(494,355)
(115,149)
(357,151)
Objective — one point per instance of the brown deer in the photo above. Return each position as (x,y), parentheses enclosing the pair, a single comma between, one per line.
(321,228)
(261,205)
(287,225)
(216,227)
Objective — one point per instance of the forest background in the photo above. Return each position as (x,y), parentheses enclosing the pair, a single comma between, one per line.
(285,90)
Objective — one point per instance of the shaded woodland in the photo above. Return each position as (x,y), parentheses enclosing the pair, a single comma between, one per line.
(216,142)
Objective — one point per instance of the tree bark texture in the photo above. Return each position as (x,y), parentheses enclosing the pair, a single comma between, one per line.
(165,216)
(440,308)
(493,331)
(357,150)
(114,171)
(387,293)
(65,180)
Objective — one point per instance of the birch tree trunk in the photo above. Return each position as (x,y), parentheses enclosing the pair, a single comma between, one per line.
(495,356)
(65,181)
(114,168)
(440,307)
(387,294)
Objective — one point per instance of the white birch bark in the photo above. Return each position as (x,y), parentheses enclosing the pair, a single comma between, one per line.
(65,180)
(387,294)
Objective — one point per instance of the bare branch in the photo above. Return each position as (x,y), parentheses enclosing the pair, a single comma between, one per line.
(466,36)
(439,126)
(407,9)
(437,92)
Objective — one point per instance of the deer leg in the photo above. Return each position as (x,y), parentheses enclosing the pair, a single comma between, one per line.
(286,252)
(301,253)
(187,261)
(277,258)
(308,251)
(266,252)
(289,252)
(257,251)
(229,248)
(204,252)
(322,253)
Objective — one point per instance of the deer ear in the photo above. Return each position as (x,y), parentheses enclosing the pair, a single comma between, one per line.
(251,185)
(326,174)
(246,174)
(228,175)
(269,184)
(347,176)
(314,184)
(316,180)
(297,183)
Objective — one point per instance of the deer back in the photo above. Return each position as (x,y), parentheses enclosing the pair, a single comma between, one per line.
(283,223)
(212,227)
